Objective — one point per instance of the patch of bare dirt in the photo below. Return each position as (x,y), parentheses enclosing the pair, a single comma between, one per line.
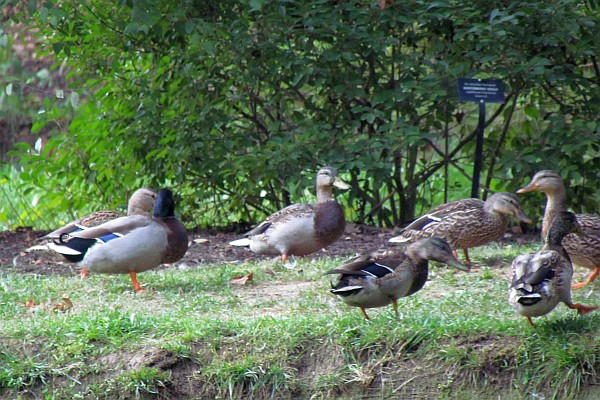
(207,247)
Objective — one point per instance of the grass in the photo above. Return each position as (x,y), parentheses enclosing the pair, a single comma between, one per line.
(284,336)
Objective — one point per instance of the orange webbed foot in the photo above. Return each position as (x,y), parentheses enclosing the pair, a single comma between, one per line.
(590,279)
(582,309)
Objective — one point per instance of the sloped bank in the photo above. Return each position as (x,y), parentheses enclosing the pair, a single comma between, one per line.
(480,367)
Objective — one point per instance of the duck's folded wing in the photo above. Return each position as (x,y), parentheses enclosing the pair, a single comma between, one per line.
(422,222)
(291,211)
(533,269)
(376,264)
(90,220)
(120,226)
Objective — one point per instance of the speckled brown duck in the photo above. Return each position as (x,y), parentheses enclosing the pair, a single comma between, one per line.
(466,223)
(542,279)
(140,203)
(133,244)
(584,250)
(301,229)
(382,278)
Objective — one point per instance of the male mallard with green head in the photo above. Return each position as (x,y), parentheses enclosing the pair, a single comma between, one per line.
(583,250)
(301,229)
(382,278)
(466,223)
(137,243)
(543,279)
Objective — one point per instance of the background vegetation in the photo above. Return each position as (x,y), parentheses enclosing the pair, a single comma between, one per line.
(235,104)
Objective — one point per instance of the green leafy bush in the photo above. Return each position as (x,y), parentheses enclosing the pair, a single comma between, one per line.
(236,104)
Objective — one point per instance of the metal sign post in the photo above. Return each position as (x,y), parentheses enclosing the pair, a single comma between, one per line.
(480,91)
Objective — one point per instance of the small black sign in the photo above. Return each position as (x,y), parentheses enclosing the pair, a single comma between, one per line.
(481,90)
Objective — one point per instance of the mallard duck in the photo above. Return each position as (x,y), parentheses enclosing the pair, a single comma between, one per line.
(301,229)
(583,250)
(136,243)
(542,279)
(140,203)
(381,278)
(466,223)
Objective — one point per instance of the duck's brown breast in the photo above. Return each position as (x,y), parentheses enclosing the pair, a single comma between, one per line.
(177,240)
(329,222)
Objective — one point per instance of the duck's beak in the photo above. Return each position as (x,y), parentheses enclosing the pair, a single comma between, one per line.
(523,217)
(338,183)
(529,188)
(453,262)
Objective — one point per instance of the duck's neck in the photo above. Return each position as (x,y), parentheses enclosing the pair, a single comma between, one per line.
(554,242)
(324,194)
(556,202)
(420,270)
(135,210)
(421,274)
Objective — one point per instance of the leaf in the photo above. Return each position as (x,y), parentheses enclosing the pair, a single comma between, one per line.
(66,304)
(256,5)
(532,112)
(201,240)
(242,280)
(9,89)
(494,14)
(31,303)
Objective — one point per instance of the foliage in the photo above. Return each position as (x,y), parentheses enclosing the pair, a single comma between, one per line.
(220,99)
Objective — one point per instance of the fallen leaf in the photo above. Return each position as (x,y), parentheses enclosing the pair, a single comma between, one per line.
(201,240)
(66,305)
(242,280)
(29,303)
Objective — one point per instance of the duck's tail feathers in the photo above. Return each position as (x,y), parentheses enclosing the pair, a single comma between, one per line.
(63,249)
(402,238)
(244,242)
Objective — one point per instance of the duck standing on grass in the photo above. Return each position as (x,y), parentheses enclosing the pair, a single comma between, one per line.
(140,203)
(543,279)
(466,223)
(138,243)
(583,250)
(381,278)
(301,229)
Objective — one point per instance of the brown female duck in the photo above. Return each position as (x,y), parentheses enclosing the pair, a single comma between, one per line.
(465,223)
(301,229)
(543,279)
(140,203)
(583,250)
(379,279)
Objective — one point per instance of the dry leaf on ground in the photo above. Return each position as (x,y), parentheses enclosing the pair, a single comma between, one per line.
(242,280)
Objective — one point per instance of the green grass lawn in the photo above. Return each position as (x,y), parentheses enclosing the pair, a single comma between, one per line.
(283,335)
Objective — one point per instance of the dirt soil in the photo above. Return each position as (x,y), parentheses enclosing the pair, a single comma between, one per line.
(206,247)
